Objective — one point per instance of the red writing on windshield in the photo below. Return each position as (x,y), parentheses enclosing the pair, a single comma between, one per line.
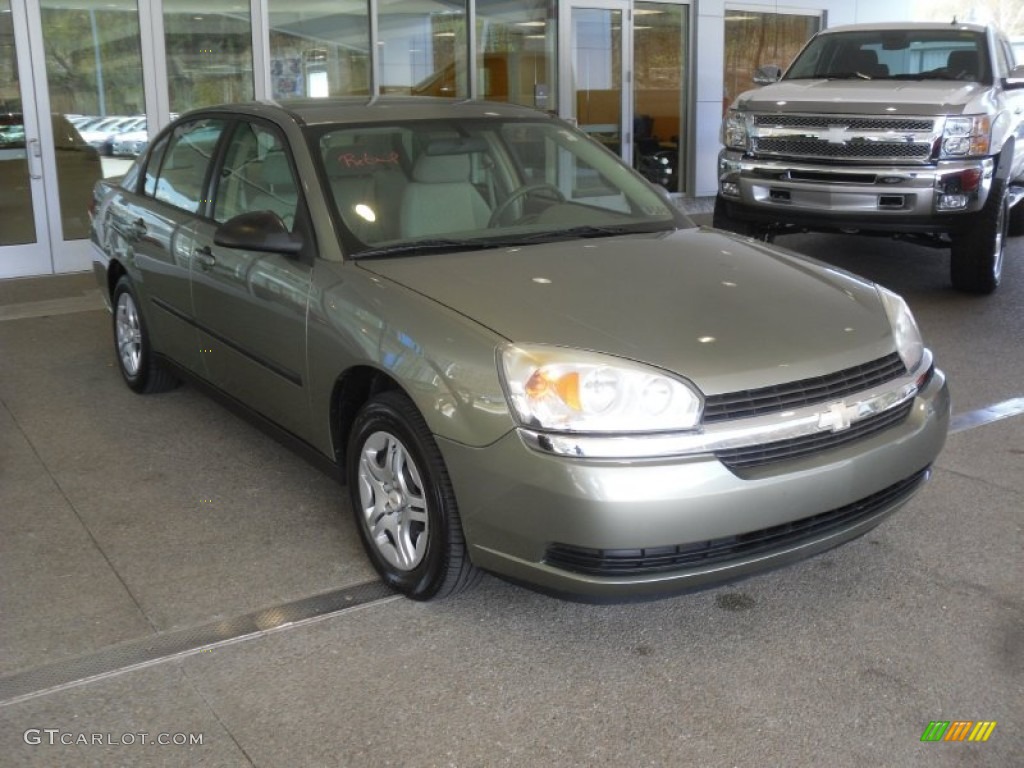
(354,160)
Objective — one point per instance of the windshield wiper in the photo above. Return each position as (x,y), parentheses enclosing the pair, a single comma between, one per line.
(425,246)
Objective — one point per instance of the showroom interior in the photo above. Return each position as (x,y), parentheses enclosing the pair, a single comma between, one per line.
(167,567)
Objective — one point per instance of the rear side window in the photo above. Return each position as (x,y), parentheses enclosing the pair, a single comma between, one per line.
(186,156)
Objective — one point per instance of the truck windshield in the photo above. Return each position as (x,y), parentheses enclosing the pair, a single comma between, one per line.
(926,54)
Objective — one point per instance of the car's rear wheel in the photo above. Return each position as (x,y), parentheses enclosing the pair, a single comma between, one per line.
(976,258)
(139,367)
(403,501)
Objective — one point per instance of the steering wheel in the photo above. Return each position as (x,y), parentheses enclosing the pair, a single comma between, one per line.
(519,194)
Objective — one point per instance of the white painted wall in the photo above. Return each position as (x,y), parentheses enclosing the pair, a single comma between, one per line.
(709,62)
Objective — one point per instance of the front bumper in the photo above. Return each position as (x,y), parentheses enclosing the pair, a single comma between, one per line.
(553,522)
(898,199)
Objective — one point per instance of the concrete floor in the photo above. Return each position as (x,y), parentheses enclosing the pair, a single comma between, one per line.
(127,518)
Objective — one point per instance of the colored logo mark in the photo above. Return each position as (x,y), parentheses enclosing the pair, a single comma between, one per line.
(958,730)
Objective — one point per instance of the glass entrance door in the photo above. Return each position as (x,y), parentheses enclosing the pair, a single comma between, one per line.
(24,242)
(593,93)
(72,89)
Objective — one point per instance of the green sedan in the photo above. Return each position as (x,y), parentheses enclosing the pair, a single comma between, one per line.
(517,353)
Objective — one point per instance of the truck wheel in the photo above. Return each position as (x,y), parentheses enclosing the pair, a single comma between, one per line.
(1016,226)
(976,260)
(722,220)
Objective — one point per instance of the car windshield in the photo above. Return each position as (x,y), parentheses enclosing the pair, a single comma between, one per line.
(416,186)
(929,54)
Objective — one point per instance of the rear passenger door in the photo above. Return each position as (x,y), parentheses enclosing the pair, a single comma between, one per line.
(251,306)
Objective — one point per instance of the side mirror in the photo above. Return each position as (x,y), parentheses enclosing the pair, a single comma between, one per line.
(767,74)
(258,231)
(1016,77)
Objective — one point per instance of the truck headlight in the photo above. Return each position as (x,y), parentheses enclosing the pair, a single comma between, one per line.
(966,137)
(571,390)
(736,130)
(905,332)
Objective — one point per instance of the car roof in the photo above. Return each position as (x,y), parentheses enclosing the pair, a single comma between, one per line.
(907,26)
(360,109)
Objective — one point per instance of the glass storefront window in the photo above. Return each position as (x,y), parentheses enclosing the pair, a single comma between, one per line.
(17,224)
(94,74)
(319,48)
(754,39)
(422,47)
(660,32)
(209,52)
(516,52)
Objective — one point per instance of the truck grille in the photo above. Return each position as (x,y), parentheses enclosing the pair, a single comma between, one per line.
(712,552)
(845,138)
(803,147)
(851,123)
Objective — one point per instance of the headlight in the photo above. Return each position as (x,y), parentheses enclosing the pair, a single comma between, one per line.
(908,339)
(569,390)
(966,137)
(735,131)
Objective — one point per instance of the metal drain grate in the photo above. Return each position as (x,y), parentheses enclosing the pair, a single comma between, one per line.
(154,649)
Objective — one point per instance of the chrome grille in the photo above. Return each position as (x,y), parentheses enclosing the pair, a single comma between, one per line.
(711,552)
(755,402)
(799,447)
(852,123)
(801,146)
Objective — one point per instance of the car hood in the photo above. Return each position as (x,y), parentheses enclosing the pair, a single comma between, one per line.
(724,311)
(864,97)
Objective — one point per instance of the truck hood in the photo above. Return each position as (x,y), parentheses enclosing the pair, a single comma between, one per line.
(724,311)
(864,97)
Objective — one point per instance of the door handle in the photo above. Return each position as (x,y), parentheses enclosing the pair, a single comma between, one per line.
(204,257)
(34,151)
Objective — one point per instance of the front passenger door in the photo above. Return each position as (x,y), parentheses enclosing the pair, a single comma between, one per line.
(251,306)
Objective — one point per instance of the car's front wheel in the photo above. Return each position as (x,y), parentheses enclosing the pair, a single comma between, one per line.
(403,501)
(976,258)
(140,369)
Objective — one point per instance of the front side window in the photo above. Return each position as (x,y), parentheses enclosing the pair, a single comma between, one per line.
(181,179)
(476,183)
(256,176)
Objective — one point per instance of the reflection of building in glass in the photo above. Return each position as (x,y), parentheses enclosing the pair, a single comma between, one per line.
(755,39)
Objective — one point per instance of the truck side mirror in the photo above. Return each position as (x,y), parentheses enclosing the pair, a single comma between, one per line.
(767,74)
(1016,77)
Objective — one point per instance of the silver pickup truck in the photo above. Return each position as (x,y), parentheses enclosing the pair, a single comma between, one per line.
(910,130)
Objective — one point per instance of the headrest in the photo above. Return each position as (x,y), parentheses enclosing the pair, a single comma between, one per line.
(276,171)
(441,169)
(858,60)
(960,62)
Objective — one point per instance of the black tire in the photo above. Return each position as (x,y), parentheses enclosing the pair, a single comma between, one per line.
(403,502)
(976,258)
(1015,228)
(722,220)
(139,367)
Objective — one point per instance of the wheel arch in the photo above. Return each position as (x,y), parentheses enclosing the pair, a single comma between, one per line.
(353,389)
(115,271)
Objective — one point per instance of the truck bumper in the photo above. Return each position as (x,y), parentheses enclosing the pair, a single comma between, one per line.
(933,199)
